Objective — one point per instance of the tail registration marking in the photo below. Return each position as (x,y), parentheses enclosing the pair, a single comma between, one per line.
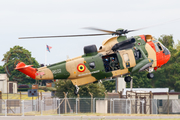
(39,73)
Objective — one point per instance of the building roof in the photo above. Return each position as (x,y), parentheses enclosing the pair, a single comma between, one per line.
(170,93)
(144,90)
(113,95)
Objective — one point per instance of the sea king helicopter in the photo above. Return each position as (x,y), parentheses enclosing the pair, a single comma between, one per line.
(118,56)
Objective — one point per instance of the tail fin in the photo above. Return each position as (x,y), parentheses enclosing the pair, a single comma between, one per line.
(26,69)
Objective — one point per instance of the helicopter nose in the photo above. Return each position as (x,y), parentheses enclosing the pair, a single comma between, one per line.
(166,51)
(167,55)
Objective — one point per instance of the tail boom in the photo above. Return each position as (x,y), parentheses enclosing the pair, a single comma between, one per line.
(43,73)
(26,69)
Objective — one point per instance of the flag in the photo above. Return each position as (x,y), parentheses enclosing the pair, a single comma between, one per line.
(48,48)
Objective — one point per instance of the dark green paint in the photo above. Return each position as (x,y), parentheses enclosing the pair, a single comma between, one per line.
(121,38)
(120,61)
(59,70)
(141,64)
(142,44)
(91,54)
(99,66)
(99,71)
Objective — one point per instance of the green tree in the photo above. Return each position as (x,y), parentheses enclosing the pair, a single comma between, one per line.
(2,69)
(140,80)
(12,57)
(177,46)
(110,85)
(97,89)
(166,40)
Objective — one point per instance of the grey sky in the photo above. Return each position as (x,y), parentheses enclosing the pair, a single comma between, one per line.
(19,18)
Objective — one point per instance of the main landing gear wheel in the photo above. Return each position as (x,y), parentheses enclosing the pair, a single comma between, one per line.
(150,75)
(76,90)
(127,79)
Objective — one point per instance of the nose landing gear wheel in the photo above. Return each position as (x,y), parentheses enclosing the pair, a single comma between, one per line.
(127,79)
(150,75)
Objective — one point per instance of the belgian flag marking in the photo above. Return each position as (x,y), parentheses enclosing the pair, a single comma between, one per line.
(81,67)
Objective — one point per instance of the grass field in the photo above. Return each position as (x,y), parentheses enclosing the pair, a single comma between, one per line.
(17,96)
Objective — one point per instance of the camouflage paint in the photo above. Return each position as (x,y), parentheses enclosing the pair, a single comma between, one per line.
(59,70)
(80,73)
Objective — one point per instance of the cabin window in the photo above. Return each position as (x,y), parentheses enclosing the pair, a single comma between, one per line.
(92,65)
(126,60)
(126,57)
(158,47)
(111,62)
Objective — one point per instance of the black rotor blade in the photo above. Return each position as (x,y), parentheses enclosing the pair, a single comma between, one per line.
(63,36)
(108,31)
(170,21)
(139,29)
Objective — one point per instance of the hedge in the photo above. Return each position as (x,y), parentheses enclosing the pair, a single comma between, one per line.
(23,89)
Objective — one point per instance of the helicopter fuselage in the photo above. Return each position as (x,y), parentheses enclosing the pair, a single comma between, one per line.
(117,56)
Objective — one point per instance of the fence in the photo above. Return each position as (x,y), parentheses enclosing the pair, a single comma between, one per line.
(56,106)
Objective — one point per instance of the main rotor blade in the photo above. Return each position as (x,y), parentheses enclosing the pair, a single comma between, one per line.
(141,28)
(170,21)
(63,36)
(108,31)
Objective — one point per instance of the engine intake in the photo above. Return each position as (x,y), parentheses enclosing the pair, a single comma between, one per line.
(129,43)
(90,50)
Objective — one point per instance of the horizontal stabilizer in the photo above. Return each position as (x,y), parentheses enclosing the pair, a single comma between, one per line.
(21,65)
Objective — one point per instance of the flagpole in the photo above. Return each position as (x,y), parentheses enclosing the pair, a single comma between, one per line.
(45,55)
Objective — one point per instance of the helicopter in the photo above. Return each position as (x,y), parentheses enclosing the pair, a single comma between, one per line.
(118,56)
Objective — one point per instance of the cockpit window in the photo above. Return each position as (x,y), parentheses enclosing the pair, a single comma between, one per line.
(158,47)
(137,54)
(166,51)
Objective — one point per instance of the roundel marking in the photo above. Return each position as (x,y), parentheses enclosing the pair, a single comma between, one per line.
(81,67)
